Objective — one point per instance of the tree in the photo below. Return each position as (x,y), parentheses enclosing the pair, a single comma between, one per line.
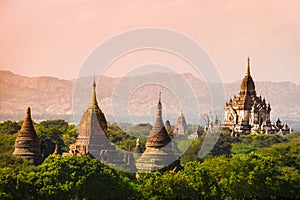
(10,127)
(66,178)
(52,132)
(263,140)
(242,148)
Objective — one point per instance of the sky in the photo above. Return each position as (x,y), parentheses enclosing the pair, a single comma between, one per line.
(55,37)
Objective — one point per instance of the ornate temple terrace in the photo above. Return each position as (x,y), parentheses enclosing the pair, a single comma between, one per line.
(247,113)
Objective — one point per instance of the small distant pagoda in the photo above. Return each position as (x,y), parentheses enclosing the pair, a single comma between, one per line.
(138,149)
(27,144)
(56,150)
(181,126)
(168,126)
(248,113)
(158,155)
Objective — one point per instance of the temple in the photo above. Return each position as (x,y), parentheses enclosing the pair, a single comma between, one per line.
(168,126)
(158,155)
(181,126)
(248,113)
(138,149)
(92,137)
(27,144)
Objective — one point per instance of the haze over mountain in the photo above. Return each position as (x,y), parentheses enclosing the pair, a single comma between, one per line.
(52,98)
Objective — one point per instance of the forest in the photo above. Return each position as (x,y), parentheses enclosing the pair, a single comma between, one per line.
(261,166)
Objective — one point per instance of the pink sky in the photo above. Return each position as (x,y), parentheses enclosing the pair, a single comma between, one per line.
(54,37)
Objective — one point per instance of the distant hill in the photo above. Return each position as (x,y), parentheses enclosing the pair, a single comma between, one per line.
(48,96)
(51,98)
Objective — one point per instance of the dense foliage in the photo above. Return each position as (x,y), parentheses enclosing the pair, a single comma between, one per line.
(65,178)
(247,167)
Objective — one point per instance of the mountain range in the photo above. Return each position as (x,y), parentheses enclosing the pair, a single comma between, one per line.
(134,98)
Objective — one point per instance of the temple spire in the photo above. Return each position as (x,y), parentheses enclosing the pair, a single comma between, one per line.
(158,111)
(27,125)
(248,67)
(28,112)
(159,99)
(93,102)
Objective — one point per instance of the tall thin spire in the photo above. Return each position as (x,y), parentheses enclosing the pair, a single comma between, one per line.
(28,112)
(159,98)
(248,67)
(93,102)
(158,111)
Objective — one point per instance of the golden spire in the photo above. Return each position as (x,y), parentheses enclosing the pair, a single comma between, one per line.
(248,67)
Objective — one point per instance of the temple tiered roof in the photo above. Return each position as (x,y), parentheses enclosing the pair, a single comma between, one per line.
(158,136)
(158,154)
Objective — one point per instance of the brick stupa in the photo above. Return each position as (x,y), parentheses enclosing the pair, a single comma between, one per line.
(27,144)
(158,155)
